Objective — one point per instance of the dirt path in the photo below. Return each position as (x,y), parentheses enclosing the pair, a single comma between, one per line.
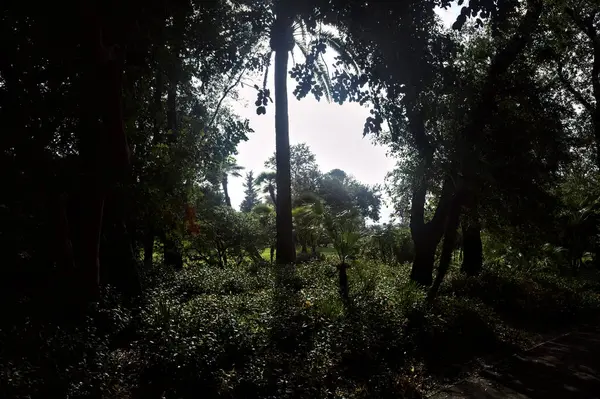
(565,367)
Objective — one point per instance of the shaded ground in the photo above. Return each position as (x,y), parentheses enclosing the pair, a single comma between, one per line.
(566,367)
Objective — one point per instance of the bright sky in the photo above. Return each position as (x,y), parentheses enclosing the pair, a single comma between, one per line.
(332,131)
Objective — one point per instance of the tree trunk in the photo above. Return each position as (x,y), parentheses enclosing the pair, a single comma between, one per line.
(172,253)
(426,236)
(272,195)
(121,268)
(422,267)
(225,184)
(148,248)
(472,248)
(304,249)
(272,253)
(343,282)
(448,246)
(280,43)
(104,150)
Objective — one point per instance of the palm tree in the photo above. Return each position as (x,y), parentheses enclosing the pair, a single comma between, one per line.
(229,168)
(267,180)
(265,215)
(289,15)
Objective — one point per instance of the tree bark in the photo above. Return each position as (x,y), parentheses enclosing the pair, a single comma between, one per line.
(343,283)
(426,236)
(225,185)
(148,248)
(448,246)
(280,43)
(104,150)
(472,247)
(422,267)
(172,254)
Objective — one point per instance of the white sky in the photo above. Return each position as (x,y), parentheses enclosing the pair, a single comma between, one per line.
(332,131)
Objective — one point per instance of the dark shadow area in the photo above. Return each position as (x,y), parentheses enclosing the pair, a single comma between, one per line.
(568,367)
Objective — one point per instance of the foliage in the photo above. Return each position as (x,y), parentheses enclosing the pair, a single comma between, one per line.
(250,193)
(226,235)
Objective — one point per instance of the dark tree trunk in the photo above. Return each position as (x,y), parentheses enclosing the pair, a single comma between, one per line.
(64,247)
(472,248)
(426,236)
(225,184)
(172,253)
(272,195)
(148,248)
(272,253)
(304,249)
(121,269)
(422,267)
(448,246)
(282,44)
(343,282)
(104,150)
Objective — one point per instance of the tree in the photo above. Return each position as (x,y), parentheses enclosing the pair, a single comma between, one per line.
(340,192)
(303,169)
(266,218)
(280,19)
(250,192)
(268,181)
(229,168)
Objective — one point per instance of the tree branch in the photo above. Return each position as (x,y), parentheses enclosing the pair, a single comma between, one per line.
(225,94)
(578,96)
(587,27)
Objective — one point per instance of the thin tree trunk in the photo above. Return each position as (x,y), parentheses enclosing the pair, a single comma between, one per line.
(272,195)
(282,34)
(343,283)
(225,184)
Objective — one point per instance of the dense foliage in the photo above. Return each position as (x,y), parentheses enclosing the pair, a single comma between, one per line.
(129,272)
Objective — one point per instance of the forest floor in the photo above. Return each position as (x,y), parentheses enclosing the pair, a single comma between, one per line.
(567,366)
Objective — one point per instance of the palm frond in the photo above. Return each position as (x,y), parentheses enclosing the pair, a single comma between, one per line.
(264,177)
(324,79)
(337,45)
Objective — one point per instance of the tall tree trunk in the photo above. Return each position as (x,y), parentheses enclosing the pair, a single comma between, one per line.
(104,148)
(448,246)
(472,246)
(280,43)
(225,184)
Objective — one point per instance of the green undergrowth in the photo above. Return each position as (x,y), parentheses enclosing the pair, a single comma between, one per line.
(263,332)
